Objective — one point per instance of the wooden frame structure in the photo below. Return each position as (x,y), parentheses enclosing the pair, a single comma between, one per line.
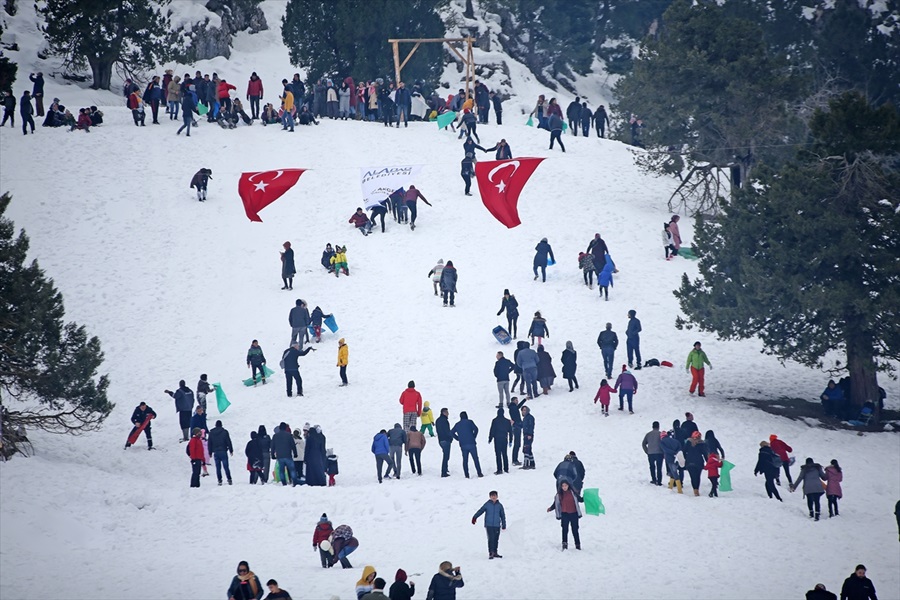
(468,60)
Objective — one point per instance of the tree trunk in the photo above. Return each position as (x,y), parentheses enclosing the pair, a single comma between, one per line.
(102,71)
(861,366)
(469,13)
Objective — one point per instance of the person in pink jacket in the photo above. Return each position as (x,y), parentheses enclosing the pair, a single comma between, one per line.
(676,235)
(833,478)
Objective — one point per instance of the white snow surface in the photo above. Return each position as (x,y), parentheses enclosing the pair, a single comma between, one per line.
(175,288)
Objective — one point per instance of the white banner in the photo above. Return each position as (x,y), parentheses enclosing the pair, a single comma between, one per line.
(380,182)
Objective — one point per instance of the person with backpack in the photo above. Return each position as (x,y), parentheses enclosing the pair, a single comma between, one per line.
(511,306)
(184,405)
(769,465)
(494,522)
(811,477)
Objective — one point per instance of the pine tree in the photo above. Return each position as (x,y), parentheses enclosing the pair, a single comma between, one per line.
(349,38)
(47,366)
(807,257)
(132,34)
(8,70)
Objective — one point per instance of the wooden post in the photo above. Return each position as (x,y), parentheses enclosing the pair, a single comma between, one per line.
(468,60)
(396,60)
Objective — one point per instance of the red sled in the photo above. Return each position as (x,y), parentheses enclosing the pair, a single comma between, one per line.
(136,432)
(666,363)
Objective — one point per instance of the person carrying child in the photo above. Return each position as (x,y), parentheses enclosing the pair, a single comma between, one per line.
(603,396)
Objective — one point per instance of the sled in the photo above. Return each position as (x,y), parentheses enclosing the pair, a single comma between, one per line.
(501,334)
(593,505)
(221,400)
(550,262)
(202,109)
(253,381)
(133,438)
(330,323)
(687,253)
(529,122)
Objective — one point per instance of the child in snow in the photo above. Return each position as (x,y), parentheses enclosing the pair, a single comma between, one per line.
(538,329)
(321,533)
(435,275)
(427,419)
(713,464)
(343,355)
(586,263)
(331,466)
(339,260)
(668,242)
(494,521)
(199,181)
(603,395)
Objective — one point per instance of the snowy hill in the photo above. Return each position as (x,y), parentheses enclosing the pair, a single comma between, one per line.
(175,288)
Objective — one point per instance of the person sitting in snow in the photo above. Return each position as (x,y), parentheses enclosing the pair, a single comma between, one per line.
(361,221)
(326,258)
(339,261)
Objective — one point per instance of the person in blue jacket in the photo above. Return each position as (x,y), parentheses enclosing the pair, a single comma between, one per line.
(605,278)
(403,99)
(633,340)
(542,251)
(381,448)
(833,401)
(465,432)
(494,522)
(188,109)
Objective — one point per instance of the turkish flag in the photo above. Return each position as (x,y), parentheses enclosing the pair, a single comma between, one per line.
(500,182)
(262,188)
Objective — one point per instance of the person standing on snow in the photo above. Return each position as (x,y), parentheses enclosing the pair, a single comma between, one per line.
(511,306)
(676,234)
(381,448)
(288,269)
(299,319)
(528,361)
(601,121)
(598,249)
(494,522)
(538,329)
(412,194)
(448,283)
(567,512)
(695,454)
(712,466)
(184,405)
(220,447)
(411,400)
(200,180)
(515,419)
(555,124)
(397,439)
(256,361)
(653,450)
(435,275)
(415,443)
(546,374)
(342,359)
(671,448)
(695,361)
(143,410)
(781,448)
(265,447)
(858,586)
(608,341)
(254,458)
(633,340)
(527,438)
(627,387)
(194,450)
(290,359)
(568,359)
(445,582)
(284,452)
(573,114)
(766,464)
(465,432)
(445,439)
(811,477)
(834,475)
(502,368)
(321,533)
(501,435)
(542,251)
(204,388)
(503,151)
(254,94)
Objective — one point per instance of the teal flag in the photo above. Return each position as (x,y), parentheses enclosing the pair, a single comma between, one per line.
(725,476)
(565,126)
(530,123)
(445,119)
(593,505)
(221,399)
(687,253)
(251,381)
(202,109)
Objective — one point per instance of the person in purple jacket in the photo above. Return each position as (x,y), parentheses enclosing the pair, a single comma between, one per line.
(627,386)
(412,194)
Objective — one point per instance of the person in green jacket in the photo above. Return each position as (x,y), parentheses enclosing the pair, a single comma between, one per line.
(695,361)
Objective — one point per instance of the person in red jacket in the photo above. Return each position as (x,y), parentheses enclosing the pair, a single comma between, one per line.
(84,120)
(224,98)
(782,449)
(254,94)
(321,533)
(713,464)
(412,405)
(194,450)
(361,221)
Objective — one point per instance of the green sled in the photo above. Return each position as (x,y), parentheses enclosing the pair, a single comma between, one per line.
(251,381)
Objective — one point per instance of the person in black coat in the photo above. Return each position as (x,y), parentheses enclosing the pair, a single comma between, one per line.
(404,104)
(9,109)
(568,472)
(578,484)
(288,268)
(601,121)
(254,455)
(25,111)
(573,114)
(445,582)
(141,412)
(858,586)
(542,251)
(299,319)
(314,458)
(820,593)
(497,101)
(597,248)
(501,434)
(37,92)
(219,443)
(585,118)
(570,365)
(445,439)
(511,306)
(245,585)
(448,283)
(515,419)
(265,446)
(766,465)
(504,152)
(290,359)
(326,258)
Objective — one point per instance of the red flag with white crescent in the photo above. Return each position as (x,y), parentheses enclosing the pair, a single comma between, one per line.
(500,182)
(261,188)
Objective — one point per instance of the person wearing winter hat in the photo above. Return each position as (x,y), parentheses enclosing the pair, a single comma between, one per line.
(766,464)
(343,355)
(627,387)
(321,534)
(195,452)
(435,275)
(400,589)
(511,306)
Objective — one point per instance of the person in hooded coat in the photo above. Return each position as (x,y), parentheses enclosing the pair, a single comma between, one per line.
(542,252)
(834,475)
(265,447)
(766,464)
(511,306)
(546,374)
(400,590)
(254,458)
(448,283)
(670,447)
(568,359)
(314,457)
(501,435)
(288,269)
(811,477)
(568,512)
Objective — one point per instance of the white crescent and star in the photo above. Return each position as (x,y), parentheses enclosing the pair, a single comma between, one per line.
(501,187)
(261,186)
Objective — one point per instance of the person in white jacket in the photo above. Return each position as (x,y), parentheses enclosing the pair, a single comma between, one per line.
(435,275)
(668,242)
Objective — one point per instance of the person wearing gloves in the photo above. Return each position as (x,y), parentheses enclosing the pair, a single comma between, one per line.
(494,522)
(695,361)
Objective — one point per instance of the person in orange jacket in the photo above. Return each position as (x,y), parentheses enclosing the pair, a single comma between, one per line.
(195,452)
(412,405)
(782,449)
(343,355)
(713,464)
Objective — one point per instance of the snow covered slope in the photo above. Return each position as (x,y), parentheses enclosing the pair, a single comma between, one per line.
(175,288)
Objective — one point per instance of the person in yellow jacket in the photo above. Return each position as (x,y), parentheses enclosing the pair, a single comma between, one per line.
(427,419)
(339,260)
(287,103)
(343,354)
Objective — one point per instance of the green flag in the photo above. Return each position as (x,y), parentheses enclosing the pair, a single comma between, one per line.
(202,109)
(530,123)
(687,253)
(565,126)
(221,399)
(445,119)
(725,476)
(593,505)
